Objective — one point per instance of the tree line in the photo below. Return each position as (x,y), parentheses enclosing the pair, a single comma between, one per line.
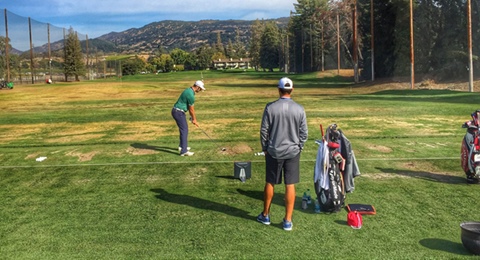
(321,34)
(325,34)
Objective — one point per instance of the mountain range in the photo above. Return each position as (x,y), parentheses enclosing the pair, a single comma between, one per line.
(169,34)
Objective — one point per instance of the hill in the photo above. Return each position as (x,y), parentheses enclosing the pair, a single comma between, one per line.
(186,35)
(181,34)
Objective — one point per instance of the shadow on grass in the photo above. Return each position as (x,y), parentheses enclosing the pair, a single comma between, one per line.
(226,177)
(154,148)
(426,175)
(430,96)
(201,204)
(444,245)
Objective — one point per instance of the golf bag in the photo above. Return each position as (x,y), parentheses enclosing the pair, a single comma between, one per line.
(470,151)
(328,176)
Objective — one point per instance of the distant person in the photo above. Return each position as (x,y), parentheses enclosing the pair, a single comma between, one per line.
(185,103)
(283,133)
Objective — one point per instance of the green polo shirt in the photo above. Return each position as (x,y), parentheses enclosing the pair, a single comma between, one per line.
(186,99)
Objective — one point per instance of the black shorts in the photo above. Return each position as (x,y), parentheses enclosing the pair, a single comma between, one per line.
(289,169)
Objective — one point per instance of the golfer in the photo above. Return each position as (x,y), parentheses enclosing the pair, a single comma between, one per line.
(283,133)
(185,103)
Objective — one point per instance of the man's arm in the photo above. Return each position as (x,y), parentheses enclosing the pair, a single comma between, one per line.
(303,130)
(191,111)
(264,131)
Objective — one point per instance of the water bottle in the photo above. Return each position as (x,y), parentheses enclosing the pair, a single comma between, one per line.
(317,206)
(304,201)
(309,197)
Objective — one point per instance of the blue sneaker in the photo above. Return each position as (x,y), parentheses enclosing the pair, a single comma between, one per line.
(287,225)
(263,219)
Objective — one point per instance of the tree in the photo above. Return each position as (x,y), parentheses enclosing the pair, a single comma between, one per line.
(256,35)
(305,29)
(179,56)
(133,66)
(230,51)
(73,65)
(238,46)
(270,47)
(190,62)
(219,46)
(440,38)
(3,64)
(166,63)
(204,57)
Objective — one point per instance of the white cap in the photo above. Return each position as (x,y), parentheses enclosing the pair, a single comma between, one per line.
(285,83)
(200,84)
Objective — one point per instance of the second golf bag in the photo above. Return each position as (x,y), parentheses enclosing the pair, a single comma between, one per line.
(328,177)
(470,151)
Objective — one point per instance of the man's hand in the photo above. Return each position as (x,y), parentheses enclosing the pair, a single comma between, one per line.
(194,121)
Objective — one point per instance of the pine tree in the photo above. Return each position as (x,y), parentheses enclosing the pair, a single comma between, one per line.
(256,35)
(74,65)
(270,47)
(238,46)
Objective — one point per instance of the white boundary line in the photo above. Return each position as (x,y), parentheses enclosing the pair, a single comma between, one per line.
(209,162)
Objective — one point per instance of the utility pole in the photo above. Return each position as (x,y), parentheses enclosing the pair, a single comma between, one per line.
(338,43)
(287,57)
(372,40)
(412,55)
(31,51)
(355,44)
(311,48)
(470,62)
(86,51)
(49,52)
(7,42)
(323,47)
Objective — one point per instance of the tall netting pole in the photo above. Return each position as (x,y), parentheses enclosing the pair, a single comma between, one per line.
(31,51)
(470,62)
(338,43)
(412,55)
(49,53)
(64,53)
(86,51)
(372,40)
(355,44)
(7,42)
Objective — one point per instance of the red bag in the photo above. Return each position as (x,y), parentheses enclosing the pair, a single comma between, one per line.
(354,219)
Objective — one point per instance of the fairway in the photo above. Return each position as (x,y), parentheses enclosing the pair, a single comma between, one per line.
(113,186)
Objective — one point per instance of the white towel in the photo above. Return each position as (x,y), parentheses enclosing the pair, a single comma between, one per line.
(321,164)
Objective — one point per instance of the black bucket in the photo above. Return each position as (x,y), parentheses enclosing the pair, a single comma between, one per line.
(471,236)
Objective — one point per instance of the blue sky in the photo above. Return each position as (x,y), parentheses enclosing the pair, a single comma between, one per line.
(99,17)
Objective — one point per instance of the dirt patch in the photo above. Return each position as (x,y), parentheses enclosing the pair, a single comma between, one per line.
(381,148)
(380,176)
(237,149)
(74,138)
(82,157)
(31,156)
(140,151)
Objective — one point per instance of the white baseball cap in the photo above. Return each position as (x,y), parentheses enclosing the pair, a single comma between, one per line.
(200,84)
(285,83)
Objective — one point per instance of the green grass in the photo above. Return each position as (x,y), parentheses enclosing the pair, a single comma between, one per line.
(114,187)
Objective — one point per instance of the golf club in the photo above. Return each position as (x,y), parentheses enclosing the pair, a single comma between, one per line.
(223,148)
